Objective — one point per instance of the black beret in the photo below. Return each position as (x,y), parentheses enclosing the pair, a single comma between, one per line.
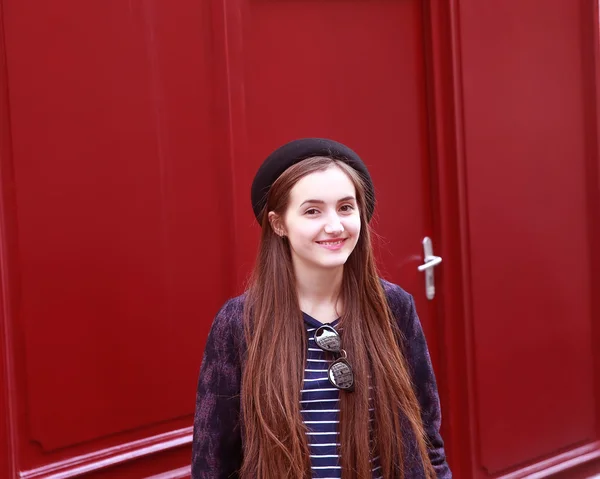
(295,151)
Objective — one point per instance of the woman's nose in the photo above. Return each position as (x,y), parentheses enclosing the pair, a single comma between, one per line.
(334,226)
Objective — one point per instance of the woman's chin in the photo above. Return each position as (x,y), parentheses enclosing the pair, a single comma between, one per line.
(332,263)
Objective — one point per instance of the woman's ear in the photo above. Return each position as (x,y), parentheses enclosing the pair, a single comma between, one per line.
(277,224)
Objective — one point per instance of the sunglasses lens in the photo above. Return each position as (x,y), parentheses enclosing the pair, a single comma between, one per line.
(328,339)
(341,376)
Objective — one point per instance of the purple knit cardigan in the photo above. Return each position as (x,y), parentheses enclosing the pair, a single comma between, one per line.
(217,449)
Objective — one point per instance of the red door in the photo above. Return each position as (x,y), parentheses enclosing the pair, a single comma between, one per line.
(351,71)
(528,169)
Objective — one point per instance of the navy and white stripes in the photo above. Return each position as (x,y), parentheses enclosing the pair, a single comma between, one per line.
(321,410)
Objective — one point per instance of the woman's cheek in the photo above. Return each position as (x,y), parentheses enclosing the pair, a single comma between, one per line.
(354,225)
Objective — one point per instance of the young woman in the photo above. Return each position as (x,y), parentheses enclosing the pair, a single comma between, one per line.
(321,369)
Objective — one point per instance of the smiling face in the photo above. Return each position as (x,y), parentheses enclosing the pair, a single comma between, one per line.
(322,220)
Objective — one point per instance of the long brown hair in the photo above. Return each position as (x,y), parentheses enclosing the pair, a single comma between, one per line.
(274,435)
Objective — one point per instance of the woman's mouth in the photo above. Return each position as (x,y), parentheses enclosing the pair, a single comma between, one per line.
(333,244)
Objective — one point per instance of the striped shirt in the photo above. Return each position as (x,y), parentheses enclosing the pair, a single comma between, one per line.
(321,410)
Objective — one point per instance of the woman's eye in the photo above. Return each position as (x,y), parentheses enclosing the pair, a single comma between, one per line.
(312,211)
(347,208)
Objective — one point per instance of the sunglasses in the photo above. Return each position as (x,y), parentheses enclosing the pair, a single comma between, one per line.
(340,372)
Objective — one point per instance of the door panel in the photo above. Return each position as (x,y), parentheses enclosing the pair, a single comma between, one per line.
(529,229)
(111,121)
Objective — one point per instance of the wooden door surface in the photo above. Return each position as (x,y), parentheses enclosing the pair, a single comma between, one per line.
(531,225)
(108,276)
(349,70)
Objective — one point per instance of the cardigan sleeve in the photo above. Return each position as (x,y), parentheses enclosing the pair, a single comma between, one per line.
(419,361)
(217,443)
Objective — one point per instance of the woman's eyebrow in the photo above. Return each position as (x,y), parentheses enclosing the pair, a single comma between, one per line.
(321,202)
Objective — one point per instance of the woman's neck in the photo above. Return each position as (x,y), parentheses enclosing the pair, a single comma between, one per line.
(319,292)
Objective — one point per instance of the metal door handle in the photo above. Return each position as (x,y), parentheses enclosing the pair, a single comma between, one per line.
(431,261)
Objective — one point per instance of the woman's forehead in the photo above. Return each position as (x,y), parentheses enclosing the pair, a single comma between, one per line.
(329,185)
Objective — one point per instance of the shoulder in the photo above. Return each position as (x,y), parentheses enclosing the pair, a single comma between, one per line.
(402,306)
(228,324)
(400,301)
(232,311)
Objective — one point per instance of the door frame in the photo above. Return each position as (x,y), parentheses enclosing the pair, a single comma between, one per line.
(8,381)
(448,186)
